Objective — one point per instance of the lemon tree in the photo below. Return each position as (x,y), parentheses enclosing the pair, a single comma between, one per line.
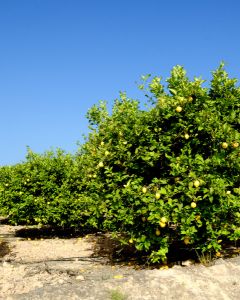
(178,160)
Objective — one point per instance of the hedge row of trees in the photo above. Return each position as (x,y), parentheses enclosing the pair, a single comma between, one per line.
(167,174)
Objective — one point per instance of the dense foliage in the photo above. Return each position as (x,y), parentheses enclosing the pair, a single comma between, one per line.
(45,190)
(167,174)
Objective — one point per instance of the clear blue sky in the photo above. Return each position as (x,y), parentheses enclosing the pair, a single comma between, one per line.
(59,57)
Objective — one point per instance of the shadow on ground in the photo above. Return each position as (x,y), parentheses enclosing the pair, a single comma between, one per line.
(4,248)
(110,248)
(49,232)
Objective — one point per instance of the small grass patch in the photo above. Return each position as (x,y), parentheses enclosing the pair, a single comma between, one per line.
(117,295)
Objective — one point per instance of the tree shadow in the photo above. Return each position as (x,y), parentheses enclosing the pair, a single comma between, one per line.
(116,253)
(50,232)
(113,252)
(4,248)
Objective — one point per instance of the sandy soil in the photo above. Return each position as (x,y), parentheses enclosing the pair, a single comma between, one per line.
(68,268)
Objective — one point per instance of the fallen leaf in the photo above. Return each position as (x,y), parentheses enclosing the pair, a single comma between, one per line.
(118,276)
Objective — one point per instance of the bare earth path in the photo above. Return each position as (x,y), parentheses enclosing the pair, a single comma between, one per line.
(56,268)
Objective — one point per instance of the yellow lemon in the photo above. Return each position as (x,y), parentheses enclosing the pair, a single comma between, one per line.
(235,144)
(144,189)
(164,219)
(157,232)
(196,183)
(179,109)
(100,164)
(164,268)
(162,224)
(198,217)
(224,145)
(193,205)
(157,195)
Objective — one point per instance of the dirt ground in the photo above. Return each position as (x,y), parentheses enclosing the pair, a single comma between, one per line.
(34,266)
